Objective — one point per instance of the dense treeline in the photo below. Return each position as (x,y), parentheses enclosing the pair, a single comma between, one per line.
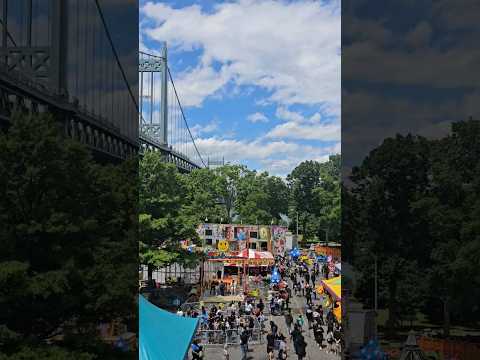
(172,204)
(414,203)
(69,243)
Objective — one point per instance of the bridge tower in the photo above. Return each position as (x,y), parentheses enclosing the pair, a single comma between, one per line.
(153,87)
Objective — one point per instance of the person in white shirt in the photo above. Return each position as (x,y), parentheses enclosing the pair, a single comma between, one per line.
(226,355)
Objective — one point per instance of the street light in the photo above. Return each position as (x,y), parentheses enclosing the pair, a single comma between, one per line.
(326,235)
(375,277)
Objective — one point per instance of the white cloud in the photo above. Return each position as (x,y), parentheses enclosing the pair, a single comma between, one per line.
(294,54)
(257,117)
(293,130)
(299,127)
(209,128)
(285,114)
(276,157)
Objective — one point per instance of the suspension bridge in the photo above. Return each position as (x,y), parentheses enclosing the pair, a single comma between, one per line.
(162,122)
(77,74)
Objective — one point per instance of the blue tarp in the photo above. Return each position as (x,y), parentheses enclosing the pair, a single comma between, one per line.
(164,335)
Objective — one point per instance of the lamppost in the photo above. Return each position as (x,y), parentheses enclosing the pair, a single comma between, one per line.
(375,286)
(326,235)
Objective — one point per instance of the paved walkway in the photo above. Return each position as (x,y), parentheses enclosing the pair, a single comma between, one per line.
(259,352)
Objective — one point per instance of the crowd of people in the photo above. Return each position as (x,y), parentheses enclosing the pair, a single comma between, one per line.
(244,319)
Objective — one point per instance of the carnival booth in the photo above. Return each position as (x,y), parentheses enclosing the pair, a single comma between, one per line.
(243,261)
(333,287)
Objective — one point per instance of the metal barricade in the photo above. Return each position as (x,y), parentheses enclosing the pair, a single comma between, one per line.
(229,337)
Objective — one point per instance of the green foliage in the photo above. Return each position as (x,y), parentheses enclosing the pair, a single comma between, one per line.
(315,196)
(68,235)
(416,207)
(166,216)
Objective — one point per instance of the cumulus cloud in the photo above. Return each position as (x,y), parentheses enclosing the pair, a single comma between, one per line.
(294,55)
(293,130)
(276,157)
(257,117)
(208,128)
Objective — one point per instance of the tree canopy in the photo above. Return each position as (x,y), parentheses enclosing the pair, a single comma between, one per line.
(416,208)
(68,234)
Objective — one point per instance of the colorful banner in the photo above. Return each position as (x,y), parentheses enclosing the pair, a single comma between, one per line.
(279,239)
(240,233)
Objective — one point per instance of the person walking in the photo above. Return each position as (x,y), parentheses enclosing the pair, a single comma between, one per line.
(212,287)
(197,350)
(308,294)
(289,320)
(244,344)
(318,334)
(270,344)
(300,322)
(309,316)
(300,347)
(282,349)
(273,328)
(226,355)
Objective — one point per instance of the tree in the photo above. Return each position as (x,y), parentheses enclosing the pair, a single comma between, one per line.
(204,195)
(388,180)
(164,217)
(277,198)
(416,205)
(68,235)
(315,195)
(229,176)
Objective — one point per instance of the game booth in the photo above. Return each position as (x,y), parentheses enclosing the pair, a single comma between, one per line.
(333,288)
(238,265)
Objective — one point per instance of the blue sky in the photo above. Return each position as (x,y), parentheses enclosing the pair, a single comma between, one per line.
(259,80)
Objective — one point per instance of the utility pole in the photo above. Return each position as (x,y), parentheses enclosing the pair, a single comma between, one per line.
(297,226)
(376,283)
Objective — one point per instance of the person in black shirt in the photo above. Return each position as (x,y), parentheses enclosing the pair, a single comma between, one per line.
(270,342)
(289,321)
(318,334)
(261,305)
(300,347)
(244,344)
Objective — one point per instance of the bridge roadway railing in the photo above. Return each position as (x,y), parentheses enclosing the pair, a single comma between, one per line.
(181,161)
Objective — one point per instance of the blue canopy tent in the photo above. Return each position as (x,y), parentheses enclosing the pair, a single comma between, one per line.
(163,335)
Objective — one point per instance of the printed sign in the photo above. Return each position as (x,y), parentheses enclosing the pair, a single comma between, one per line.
(223,245)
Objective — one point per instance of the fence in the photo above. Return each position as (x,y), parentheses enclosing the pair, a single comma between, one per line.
(188,276)
(463,350)
(229,337)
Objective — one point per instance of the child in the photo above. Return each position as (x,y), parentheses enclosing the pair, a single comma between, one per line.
(226,355)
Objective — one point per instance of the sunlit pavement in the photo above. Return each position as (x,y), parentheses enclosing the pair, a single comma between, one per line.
(259,352)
